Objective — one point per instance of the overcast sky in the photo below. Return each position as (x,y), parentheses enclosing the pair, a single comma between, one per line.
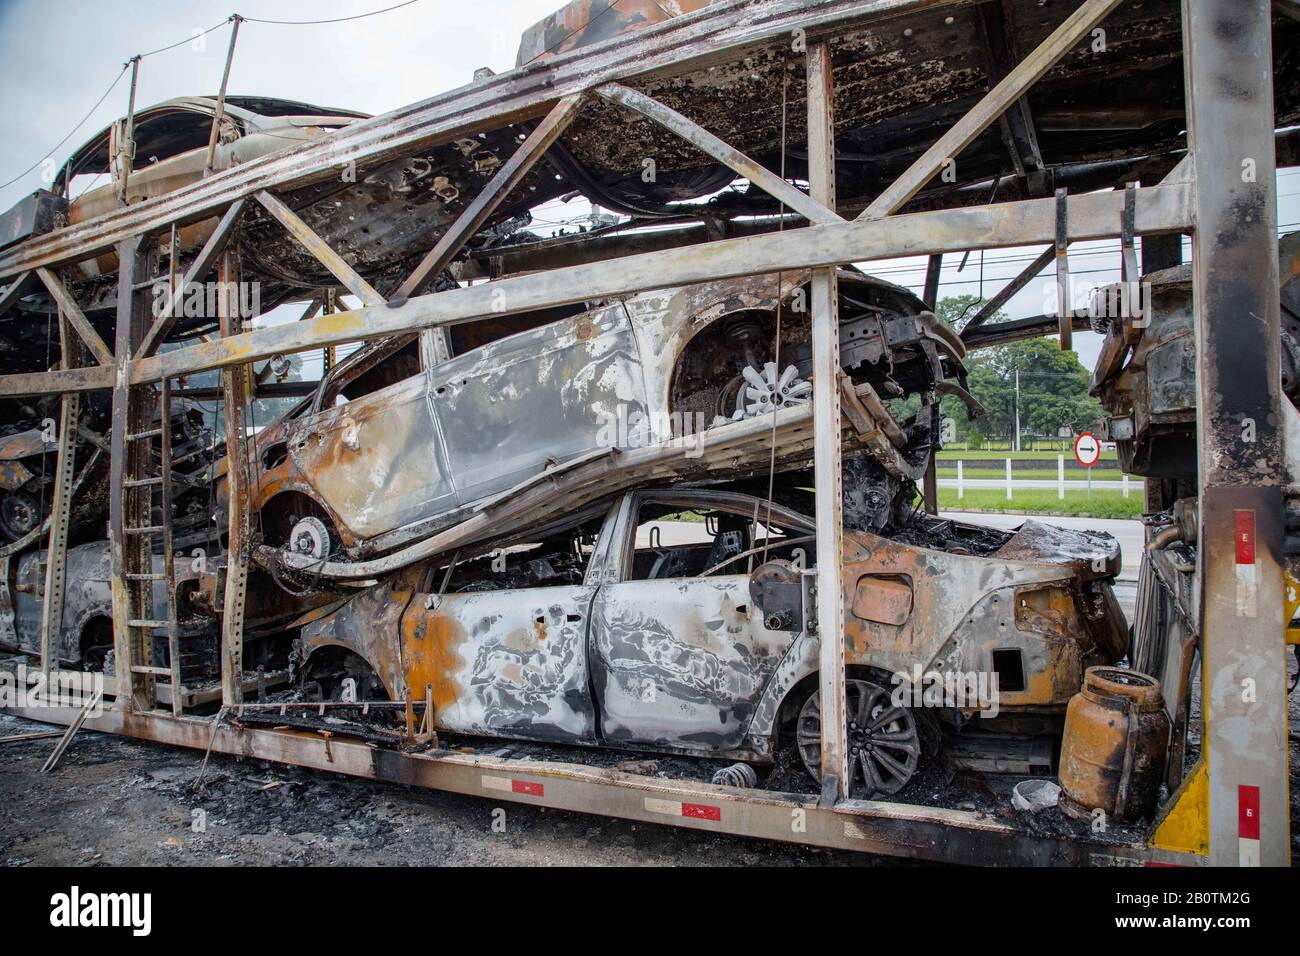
(57,57)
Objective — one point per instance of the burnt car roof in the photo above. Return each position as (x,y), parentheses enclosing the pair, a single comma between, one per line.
(167,128)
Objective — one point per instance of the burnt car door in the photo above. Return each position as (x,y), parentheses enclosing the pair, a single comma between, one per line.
(370,445)
(506,660)
(508,408)
(680,653)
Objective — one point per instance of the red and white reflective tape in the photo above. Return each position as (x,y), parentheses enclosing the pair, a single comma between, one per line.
(1247,573)
(1247,825)
(675,808)
(510,785)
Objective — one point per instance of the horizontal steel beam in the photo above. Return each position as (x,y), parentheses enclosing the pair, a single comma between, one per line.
(722,30)
(1160,209)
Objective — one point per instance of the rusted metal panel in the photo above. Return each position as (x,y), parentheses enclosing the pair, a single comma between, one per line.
(506,663)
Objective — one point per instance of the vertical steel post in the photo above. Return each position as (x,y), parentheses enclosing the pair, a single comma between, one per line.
(235,387)
(60,507)
(126,152)
(1228,64)
(826,425)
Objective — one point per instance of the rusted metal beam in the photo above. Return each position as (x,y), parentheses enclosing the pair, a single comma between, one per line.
(320,250)
(1160,209)
(128,506)
(994,104)
(1242,522)
(933,269)
(235,388)
(996,22)
(732,158)
(60,510)
(72,312)
(835,764)
(202,263)
(220,112)
(510,174)
(1094,216)
(724,29)
(14,291)
(93,378)
(1026,276)
(1017,330)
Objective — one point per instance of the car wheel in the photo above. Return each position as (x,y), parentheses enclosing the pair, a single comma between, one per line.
(884,747)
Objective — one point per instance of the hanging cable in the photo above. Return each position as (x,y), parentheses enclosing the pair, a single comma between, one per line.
(89,113)
(306,23)
(189,39)
(171,46)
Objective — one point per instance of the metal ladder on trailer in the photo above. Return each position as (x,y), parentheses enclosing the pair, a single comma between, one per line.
(140,597)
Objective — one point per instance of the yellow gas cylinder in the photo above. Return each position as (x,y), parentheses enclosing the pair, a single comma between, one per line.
(1113,754)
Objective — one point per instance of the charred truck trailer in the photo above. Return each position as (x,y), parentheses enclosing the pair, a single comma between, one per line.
(667,486)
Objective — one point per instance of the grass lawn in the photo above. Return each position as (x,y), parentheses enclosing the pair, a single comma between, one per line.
(1102,504)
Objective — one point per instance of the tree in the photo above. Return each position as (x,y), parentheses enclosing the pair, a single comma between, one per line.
(1053,385)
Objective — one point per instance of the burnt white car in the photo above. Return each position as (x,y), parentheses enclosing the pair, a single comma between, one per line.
(617,628)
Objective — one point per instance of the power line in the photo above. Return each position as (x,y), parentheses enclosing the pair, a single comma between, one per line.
(68,136)
(190,39)
(305,23)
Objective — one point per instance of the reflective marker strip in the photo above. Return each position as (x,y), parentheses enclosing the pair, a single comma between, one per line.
(1244,540)
(1248,825)
(674,808)
(527,788)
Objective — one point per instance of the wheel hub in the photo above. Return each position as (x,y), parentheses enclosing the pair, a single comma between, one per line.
(763,392)
(309,538)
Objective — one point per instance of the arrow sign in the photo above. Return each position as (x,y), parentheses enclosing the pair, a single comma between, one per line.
(1087,450)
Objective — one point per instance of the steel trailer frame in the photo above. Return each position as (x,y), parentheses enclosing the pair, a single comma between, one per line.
(1230,216)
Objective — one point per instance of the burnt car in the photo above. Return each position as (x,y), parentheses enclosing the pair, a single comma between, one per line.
(394,447)
(613,628)
(85,641)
